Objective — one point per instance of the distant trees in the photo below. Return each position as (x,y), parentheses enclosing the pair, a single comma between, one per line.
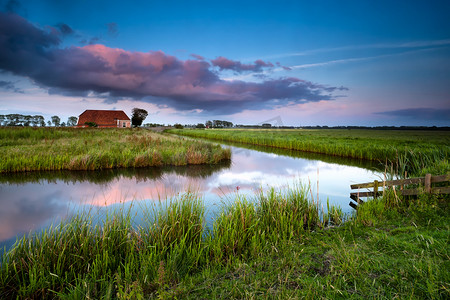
(218,124)
(56,120)
(200,125)
(72,121)
(138,116)
(21,120)
(178,126)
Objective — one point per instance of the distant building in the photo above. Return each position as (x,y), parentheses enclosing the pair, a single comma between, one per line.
(104,118)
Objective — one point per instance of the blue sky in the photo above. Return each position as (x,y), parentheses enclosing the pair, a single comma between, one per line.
(329,63)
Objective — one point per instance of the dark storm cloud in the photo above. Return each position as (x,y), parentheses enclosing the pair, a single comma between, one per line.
(65,29)
(9,86)
(151,76)
(425,113)
(12,6)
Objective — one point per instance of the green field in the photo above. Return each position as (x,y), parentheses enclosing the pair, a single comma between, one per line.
(39,149)
(409,150)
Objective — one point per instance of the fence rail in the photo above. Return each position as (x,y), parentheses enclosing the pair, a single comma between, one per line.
(379,187)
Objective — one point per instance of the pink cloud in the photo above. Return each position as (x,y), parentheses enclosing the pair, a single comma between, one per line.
(226,64)
(152,76)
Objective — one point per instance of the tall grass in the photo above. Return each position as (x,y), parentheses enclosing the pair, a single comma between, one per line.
(78,257)
(39,149)
(415,150)
(270,245)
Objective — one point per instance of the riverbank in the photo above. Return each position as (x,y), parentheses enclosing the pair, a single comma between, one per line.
(411,151)
(45,149)
(278,245)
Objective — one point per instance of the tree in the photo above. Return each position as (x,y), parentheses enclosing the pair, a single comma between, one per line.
(56,120)
(91,124)
(27,120)
(208,124)
(72,121)
(138,117)
(49,123)
(41,121)
(200,125)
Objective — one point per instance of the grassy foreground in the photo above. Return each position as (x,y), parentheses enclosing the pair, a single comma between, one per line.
(278,245)
(412,151)
(40,149)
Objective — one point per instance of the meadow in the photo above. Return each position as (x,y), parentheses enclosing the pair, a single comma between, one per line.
(409,150)
(45,149)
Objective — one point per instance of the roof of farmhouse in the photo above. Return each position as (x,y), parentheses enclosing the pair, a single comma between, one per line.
(102,117)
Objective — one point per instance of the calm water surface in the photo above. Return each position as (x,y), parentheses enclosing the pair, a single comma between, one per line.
(33,201)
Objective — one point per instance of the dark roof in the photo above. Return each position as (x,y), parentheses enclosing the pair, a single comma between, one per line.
(102,117)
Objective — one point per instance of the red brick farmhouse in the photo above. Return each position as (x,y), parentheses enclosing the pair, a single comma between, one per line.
(104,118)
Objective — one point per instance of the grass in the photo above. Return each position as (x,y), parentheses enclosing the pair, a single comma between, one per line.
(413,151)
(44,149)
(276,245)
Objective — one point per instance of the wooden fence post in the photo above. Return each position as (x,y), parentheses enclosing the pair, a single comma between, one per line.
(428,183)
(375,189)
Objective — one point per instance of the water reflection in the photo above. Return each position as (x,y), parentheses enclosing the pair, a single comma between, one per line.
(31,201)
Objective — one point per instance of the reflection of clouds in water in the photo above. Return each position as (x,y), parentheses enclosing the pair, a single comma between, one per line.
(27,209)
(31,205)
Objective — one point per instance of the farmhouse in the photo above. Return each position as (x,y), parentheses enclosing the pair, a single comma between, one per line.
(104,118)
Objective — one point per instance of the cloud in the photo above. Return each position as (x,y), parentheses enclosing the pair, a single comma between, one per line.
(425,113)
(9,86)
(406,45)
(65,29)
(196,56)
(153,76)
(12,6)
(113,29)
(226,64)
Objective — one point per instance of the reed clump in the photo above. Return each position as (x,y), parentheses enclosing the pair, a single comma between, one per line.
(45,149)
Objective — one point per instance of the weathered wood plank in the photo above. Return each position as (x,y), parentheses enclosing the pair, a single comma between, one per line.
(353,205)
(441,190)
(363,194)
(356,199)
(440,178)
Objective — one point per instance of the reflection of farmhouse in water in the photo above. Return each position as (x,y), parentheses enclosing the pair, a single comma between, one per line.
(104,118)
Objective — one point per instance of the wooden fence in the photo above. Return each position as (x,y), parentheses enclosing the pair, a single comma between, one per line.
(400,187)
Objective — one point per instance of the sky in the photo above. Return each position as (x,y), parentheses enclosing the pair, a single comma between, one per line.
(292,63)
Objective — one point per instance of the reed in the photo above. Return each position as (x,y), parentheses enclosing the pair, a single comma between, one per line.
(275,239)
(41,149)
(82,256)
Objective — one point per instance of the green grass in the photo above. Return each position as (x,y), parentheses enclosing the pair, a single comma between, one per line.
(410,151)
(42,149)
(276,245)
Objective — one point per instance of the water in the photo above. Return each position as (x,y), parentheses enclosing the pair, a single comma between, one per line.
(33,201)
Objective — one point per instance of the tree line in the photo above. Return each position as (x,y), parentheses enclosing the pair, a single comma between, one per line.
(218,124)
(36,120)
